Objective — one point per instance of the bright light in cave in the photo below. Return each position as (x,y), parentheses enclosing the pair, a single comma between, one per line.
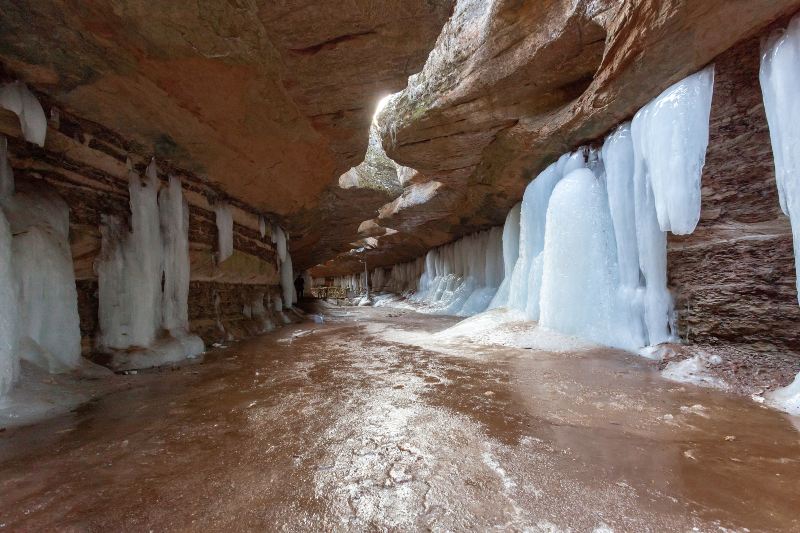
(381,104)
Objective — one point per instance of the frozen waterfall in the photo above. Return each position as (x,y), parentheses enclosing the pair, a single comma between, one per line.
(460,278)
(47,331)
(134,308)
(780,76)
(289,293)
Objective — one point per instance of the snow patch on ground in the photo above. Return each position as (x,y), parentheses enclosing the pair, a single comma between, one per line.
(696,370)
(786,399)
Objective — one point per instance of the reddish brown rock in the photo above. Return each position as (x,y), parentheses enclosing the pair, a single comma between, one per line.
(271,101)
(512,85)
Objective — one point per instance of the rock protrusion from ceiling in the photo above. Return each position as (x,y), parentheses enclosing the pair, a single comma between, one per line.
(511,85)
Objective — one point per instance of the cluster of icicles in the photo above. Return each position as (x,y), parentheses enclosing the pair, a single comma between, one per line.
(585,253)
(143,269)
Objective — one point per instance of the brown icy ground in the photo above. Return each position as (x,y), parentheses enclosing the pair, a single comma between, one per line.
(369,423)
(270,100)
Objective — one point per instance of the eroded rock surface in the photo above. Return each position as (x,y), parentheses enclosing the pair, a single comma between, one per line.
(270,100)
(510,86)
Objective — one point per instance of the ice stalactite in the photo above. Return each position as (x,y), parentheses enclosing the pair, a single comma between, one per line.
(279,239)
(16,97)
(174,218)
(287,281)
(671,137)
(48,327)
(129,269)
(174,213)
(780,79)
(618,160)
(224,219)
(780,76)
(133,306)
(262,226)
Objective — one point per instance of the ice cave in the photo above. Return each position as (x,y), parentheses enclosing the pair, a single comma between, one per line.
(451,265)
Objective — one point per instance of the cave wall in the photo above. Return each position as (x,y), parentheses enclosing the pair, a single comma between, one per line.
(87,165)
(734,277)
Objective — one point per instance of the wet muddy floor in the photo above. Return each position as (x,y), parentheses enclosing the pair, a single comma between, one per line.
(346,426)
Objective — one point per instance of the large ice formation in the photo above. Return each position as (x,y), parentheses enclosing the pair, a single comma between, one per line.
(579,271)
(289,293)
(585,252)
(47,326)
(671,140)
(780,76)
(134,308)
(15,96)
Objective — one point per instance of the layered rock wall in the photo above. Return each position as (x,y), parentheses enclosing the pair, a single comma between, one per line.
(86,165)
(734,277)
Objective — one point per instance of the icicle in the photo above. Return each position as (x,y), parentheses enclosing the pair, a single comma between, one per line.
(279,238)
(224,231)
(174,212)
(651,241)
(673,131)
(618,159)
(16,97)
(527,275)
(262,226)
(129,270)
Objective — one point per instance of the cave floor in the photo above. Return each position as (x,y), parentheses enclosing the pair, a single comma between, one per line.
(352,425)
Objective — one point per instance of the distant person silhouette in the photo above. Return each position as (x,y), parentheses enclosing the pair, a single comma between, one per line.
(299,285)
